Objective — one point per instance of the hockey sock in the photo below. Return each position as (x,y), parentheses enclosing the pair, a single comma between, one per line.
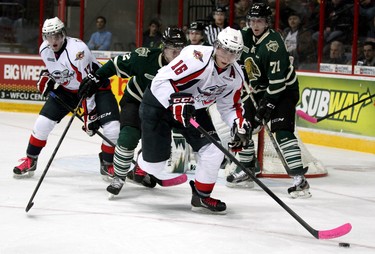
(122,160)
(292,153)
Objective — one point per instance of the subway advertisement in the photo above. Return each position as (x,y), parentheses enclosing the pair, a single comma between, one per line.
(323,95)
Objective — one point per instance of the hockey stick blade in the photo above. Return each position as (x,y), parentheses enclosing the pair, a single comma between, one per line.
(336,232)
(306,117)
(323,234)
(172,181)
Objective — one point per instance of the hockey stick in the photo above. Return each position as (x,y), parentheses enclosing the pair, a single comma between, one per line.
(318,234)
(165,183)
(55,96)
(272,138)
(31,203)
(312,119)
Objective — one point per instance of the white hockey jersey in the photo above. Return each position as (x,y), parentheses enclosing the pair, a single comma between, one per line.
(194,72)
(73,64)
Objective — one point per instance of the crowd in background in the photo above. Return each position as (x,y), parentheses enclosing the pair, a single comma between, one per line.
(298,22)
(299,25)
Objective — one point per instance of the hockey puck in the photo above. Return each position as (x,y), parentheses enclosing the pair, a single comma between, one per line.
(344,245)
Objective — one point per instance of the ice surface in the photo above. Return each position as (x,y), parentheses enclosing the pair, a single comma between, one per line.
(72,214)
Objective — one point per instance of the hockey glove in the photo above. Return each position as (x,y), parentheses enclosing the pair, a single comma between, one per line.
(89,85)
(264,111)
(46,83)
(182,106)
(241,135)
(91,123)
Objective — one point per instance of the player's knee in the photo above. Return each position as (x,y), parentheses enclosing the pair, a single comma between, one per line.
(129,137)
(111,130)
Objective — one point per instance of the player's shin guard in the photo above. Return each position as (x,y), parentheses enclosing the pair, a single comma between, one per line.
(292,153)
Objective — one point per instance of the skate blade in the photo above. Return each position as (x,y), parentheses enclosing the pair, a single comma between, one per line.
(28,174)
(203,210)
(107,178)
(245,184)
(111,196)
(300,194)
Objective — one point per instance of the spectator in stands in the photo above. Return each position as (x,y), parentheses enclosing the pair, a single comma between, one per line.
(369,54)
(196,34)
(337,53)
(298,41)
(101,39)
(152,36)
(242,7)
(367,9)
(219,24)
(338,22)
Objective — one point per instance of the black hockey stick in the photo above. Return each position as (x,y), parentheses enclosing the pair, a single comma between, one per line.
(312,119)
(55,96)
(31,203)
(272,138)
(318,234)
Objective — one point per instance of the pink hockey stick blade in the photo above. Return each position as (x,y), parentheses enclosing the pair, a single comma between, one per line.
(336,232)
(174,181)
(305,116)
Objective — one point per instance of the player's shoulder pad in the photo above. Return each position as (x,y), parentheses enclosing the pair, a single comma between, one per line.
(196,56)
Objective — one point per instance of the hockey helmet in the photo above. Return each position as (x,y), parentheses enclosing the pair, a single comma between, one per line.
(260,10)
(197,26)
(53,26)
(231,40)
(174,37)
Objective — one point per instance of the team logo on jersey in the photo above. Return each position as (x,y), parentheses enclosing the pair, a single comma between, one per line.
(272,45)
(252,69)
(198,55)
(63,77)
(80,55)
(209,95)
(142,51)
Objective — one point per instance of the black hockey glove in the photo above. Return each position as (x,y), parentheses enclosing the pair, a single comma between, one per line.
(91,123)
(89,85)
(264,111)
(46,83)
(182,106)
(241,135)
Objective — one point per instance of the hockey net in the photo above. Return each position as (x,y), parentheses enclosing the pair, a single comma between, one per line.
(270,162)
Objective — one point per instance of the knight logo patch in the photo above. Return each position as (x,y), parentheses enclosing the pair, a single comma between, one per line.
(272,45)
(80,55)
(198,55)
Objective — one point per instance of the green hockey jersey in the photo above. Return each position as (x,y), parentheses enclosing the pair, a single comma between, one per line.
(141,65)
(267,63)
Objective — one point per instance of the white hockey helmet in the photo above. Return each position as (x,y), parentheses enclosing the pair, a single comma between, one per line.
(231,40)
(53,26)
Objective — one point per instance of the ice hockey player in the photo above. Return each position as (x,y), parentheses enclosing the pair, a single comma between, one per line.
(198,77)
(141,65)
(275,88)
(68,61)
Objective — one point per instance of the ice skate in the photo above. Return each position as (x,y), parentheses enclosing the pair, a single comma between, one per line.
(138,176)
(207,204)
(115,187)
(106,169)
(300,188)
(26,168)
(239,179)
